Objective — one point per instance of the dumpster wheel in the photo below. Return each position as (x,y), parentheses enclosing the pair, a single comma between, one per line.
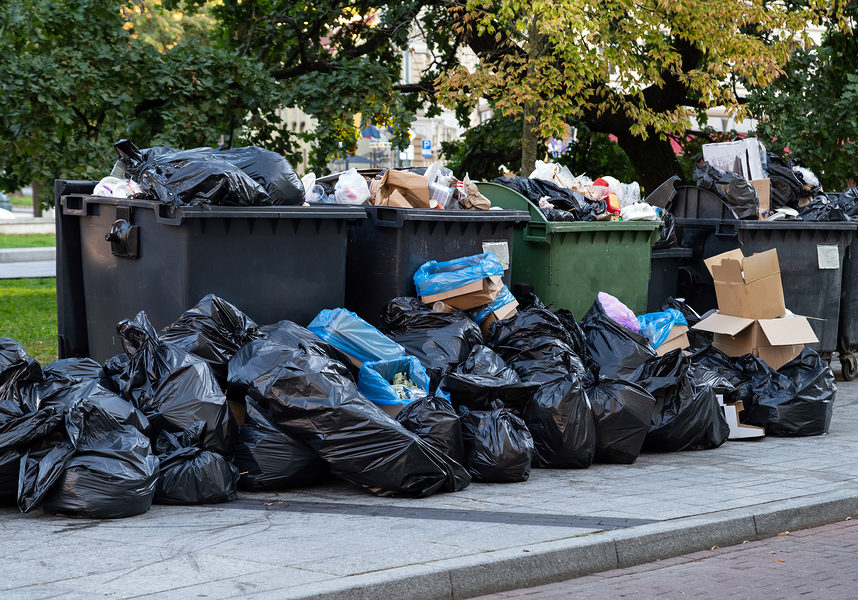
(847,366)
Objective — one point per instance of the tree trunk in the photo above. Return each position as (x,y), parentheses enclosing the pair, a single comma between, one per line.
(653,159)
(37,205)
(529,143)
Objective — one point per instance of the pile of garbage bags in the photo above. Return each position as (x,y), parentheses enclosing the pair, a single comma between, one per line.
(215,403)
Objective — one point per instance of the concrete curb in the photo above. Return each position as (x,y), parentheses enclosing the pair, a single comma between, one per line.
(512,568)
(12,255)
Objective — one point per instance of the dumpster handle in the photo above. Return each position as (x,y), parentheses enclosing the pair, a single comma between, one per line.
(726,229)
(167,214)
(387,217)
(535,232)
(74,205)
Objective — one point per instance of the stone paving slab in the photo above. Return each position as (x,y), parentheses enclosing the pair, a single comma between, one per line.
(336,541)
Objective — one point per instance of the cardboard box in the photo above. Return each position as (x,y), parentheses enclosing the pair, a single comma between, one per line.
(776,341)
(763,187)
(504,312)
(401,189)
(677,338)
(748,286)
(472,295)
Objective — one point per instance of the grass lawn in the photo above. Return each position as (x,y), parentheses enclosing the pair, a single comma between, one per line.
(20,200)
(28,313)
(27,240)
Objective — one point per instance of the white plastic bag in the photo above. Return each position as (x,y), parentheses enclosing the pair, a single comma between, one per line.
(308,181)
(638,212)
(113,187)
(351,188)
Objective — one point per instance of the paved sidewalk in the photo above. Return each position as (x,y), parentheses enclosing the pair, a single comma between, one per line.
(816,563)
(334,541)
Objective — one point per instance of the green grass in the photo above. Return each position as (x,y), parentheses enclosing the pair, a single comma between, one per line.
(19,200)
(27,240)
(28,314)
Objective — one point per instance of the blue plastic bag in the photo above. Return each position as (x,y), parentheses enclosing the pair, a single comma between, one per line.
(354,336)
(436,277)
(479,314)
(374,380)
(657,326)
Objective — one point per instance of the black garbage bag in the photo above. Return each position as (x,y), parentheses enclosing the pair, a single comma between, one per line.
(173,388)
(560,420)
(711,362)
(498,446)
(623,412)
(189,177)
(270,170)
(704,377)
(797,402)
(848,202)
(822,209)
(270,459)
(526,297)
(667,238)
(697,340)
(292,335)
(17,436)
(685,417)
(578,341)
(190,474)
(786,189)
(564,200)
(214,330)
(101,470)
(615,352)
(483,379)
(440,341)
(537,345)
(736,193)
(17,370)
(314,399)
(435,420)
(556,214)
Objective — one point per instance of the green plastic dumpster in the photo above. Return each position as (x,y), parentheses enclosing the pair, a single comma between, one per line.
(569,263)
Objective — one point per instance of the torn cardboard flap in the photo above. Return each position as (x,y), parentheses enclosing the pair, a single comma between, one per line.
(506,311)
(734,267)
(725,324)
(788,331)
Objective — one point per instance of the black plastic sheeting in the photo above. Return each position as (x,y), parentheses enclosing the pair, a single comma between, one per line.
(734,190)
(173,388)
(483,379)
(440,341)
(568,204)
(271,459)
(101,469)
(498,446)
(435,420)
(190,474)
(623,411)
(292,335)
(561,421)
(615,351)
(17,370)
(248,176)
(314,399)
(214,330)
(685,417)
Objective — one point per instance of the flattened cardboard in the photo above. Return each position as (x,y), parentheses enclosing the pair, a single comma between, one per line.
(739,431)
(472,295)
(506,311)
(763,187)
(785,332)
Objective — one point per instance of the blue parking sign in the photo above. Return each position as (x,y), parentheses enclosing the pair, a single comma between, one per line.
(426,145)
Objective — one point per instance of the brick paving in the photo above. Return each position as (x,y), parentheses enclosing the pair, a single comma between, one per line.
(812,564)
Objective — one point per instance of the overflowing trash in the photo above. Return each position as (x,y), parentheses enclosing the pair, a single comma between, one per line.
(468,381)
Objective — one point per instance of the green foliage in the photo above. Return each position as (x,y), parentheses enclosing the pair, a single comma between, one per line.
(811,112)
(596,155)
(28,314)
(74,81)
(484,148)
